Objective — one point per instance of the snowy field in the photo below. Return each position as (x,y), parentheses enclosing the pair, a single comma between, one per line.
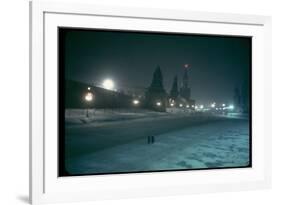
(182,141)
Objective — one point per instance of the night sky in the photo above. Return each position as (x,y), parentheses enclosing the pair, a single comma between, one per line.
(216,64)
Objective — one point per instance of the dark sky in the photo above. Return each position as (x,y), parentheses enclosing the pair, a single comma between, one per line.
(217,64)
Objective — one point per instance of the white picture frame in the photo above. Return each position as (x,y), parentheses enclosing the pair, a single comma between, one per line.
(46,187)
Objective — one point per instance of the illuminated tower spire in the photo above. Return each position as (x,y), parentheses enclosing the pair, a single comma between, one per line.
(185,90)
(185,77)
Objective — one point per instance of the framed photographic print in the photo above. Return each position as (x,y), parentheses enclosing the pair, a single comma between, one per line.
(127,102)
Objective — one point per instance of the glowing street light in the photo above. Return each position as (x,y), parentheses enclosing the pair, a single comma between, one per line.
(89,88)
(213,105)
(136,102)
(187,106)
(158,104)
(108,84)
(181,105)
(231,107)
(223,105)
(89,98)
(201,106)
(172,104)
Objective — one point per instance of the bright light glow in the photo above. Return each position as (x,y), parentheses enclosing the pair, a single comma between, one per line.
(89,97)
(136,102)
(89,88)
(223,105)
(192,105)
(217,108)
(158,103)
(213,105)
(108,84)
(180,105)
(196,107)
(187,106)
(172,104)
(201,106)
(231,107)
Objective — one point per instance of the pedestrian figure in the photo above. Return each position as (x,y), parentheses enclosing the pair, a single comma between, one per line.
(150,139)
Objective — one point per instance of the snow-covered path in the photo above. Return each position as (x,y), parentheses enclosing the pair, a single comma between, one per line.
(180,143)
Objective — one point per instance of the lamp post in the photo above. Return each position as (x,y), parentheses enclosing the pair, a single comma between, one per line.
(136,102)
(89,98)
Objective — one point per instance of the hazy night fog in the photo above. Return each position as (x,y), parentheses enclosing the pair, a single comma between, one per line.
(216,64)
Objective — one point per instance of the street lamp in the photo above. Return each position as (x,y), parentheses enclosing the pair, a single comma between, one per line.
(89,98)
(136,102)
(158,104)
(187,106)
(181,105)
(201,106)
(172,104)
(223,105)
(231,107)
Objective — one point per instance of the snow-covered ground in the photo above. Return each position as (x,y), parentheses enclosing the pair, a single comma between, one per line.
(182,141)
(78,116)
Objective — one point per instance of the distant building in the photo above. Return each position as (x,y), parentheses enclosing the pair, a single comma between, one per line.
(185,92)
(174,93)
(237,100)
(156,96)
(241,98)
(75,93)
